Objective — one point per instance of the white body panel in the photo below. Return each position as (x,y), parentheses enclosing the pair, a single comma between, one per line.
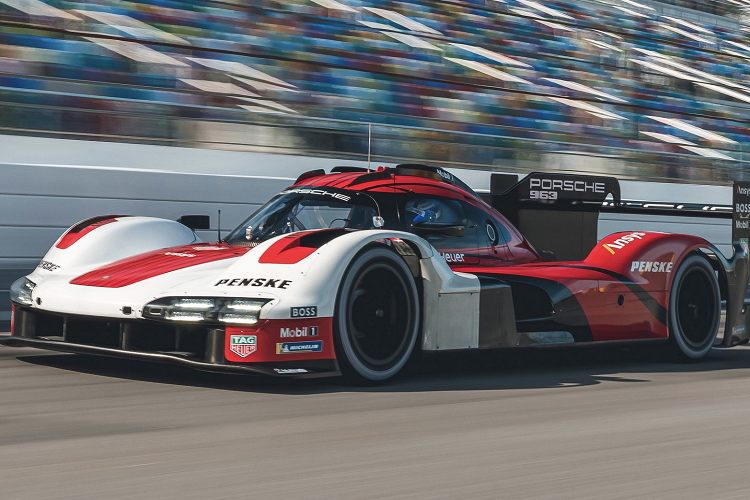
(450,302)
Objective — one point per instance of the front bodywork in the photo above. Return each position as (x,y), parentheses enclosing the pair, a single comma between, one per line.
(103,311)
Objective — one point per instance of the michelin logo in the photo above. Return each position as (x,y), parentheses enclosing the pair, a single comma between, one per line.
(297,347)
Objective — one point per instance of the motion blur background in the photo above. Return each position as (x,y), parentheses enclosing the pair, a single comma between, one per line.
(646,90)
(652,90)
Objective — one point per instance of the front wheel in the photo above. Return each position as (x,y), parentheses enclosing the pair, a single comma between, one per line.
(377,316)
(694,309)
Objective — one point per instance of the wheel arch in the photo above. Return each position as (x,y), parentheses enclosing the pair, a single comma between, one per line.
(344,354)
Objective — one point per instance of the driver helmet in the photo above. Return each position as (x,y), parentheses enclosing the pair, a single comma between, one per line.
(424,211)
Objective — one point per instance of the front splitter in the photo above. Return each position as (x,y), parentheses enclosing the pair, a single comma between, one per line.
(155,357)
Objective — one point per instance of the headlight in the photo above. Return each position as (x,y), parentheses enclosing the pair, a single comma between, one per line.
(205,309)
(20,291)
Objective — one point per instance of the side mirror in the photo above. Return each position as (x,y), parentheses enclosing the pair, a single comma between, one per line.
(427,229)
(548,255)
(196,222)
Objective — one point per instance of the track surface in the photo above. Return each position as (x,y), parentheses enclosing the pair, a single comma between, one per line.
(586,424)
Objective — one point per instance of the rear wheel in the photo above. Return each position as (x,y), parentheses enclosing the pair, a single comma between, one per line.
(694,309)
(377,317)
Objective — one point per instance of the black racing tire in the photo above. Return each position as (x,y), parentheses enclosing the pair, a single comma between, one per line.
(377,318)
(694,310)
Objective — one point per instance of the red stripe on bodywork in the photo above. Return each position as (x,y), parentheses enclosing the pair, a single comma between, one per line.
(286,251)
(147,265)
(296,246)
(79,231)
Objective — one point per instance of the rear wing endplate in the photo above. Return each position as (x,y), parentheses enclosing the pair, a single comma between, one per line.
(738,268)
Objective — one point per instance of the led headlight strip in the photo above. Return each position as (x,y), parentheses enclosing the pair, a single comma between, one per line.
(205,309)
(20,291)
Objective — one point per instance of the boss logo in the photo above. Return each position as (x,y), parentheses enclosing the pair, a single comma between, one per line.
(304,312)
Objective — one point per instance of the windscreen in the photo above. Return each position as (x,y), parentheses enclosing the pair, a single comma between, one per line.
(293,211)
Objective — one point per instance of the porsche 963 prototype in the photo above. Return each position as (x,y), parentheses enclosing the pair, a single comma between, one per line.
(352,271)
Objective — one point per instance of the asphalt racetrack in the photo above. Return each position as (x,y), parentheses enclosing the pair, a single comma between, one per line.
(563,424)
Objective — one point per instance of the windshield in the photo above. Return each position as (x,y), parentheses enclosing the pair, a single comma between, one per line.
(295,211)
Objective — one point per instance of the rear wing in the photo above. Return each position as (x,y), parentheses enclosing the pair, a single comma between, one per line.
(560,212)
(556,212)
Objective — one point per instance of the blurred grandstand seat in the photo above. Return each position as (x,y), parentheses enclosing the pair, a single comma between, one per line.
(506,77)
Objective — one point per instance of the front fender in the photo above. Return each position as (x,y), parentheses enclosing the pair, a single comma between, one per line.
(450,300)
(95,242)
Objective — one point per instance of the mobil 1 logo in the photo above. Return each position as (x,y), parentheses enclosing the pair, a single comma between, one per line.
(741,213)
(304,312)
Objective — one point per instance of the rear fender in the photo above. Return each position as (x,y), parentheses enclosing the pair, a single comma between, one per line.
(647,258)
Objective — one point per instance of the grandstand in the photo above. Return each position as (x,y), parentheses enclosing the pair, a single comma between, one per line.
(514,84)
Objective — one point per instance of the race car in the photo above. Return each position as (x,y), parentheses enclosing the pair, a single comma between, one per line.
(351,272)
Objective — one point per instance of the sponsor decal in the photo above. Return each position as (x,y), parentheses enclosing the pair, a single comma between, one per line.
(739,330)
(209,248)
(318,192)
(295,347)
(452,257)
(263,282)
(304,312)
(445,174)
(176,254)
(48,266)
(650,267)
(547,189)
(284,371)
(620,242)
(243,345)
(304,331)
(567,185)
(741,214)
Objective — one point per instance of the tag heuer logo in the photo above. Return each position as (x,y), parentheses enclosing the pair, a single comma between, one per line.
(243,345)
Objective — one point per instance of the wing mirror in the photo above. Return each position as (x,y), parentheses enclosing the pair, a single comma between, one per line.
(427,229)
(195,222)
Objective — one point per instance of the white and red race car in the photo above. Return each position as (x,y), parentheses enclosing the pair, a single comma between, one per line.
(350,272)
